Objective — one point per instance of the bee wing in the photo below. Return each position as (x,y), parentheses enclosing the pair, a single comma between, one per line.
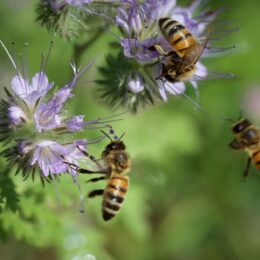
(98,166)
(194,55)
(199,50)
(102,166)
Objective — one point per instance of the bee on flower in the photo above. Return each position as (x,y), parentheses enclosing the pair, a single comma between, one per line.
(162,46)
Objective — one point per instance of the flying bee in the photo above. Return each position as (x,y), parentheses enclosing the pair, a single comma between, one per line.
(180,64)
(116,165)
(247,138)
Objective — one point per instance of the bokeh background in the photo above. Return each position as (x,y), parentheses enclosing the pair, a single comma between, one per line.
(187,198)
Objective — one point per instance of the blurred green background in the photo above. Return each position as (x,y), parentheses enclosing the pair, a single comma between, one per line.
(187,198)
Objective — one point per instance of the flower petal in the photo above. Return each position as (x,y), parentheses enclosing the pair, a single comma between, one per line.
(162,90)
(16,116)
(49,157)
(40,83)
(136,84)
(139,50)
(20,86)
(24,147)
(54,158)
(176,88)
(76,123)
(47,115)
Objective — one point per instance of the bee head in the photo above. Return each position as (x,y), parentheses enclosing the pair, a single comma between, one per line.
(241,126)
(115,143)
(115,146)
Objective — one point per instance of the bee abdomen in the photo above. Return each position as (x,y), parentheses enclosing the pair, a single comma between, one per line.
(256,159)
(114,196)
(176,34)
(166,24)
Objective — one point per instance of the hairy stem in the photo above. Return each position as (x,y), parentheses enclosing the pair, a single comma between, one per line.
(80,48)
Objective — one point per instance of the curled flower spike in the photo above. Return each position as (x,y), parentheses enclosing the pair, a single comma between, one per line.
(62,17)
(151,57)
(57,5)
(71,19)
(35,132)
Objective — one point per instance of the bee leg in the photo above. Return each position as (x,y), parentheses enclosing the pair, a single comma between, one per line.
(95,193)
(82,170)
(75,167)
(97,179)
(246,171)
(174,54)
(161,51)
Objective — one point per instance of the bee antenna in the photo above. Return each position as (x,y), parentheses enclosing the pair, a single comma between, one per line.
(106,135)
(121,136)
(227,119)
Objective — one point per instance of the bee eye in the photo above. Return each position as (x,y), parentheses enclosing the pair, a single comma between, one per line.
(250,134)
(121,158)
(241,126)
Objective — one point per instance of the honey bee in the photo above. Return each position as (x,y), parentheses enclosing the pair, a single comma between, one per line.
(117,164)
(186,50)
(247,138)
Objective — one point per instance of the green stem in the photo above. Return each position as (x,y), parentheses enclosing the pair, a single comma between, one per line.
(80,48)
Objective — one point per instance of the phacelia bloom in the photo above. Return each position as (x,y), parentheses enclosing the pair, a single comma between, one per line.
(138,23)
(35,132)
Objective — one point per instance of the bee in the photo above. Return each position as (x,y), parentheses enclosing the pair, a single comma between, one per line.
(247,138)
(116,165)
(186,50)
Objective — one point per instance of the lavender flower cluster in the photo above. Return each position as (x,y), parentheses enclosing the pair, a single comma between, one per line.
(35,131)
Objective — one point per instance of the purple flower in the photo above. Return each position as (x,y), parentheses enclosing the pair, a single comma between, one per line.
(139,50)
(50,156)
(75,123)
(16,115)
(30,93)
(36,131)
(135,84)
(176,88)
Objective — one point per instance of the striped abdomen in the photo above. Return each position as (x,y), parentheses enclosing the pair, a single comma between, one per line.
(114,195)
(256,158)
(177,35)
